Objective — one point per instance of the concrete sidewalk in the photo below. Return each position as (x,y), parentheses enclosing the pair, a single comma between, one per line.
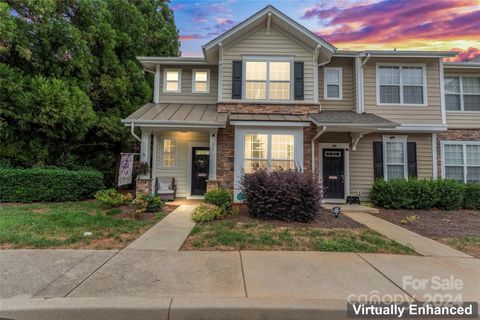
(232,285)
(423,245)
(168,234)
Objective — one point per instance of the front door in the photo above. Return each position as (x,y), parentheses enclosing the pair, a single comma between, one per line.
(200,164)
(333,173)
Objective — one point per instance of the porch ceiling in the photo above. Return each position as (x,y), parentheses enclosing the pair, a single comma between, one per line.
(350,120)
(178,115)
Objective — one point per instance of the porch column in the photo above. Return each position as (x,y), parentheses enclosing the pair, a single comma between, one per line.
(212,182)
(213,156)
(145,149)
(144,182)
(156,85)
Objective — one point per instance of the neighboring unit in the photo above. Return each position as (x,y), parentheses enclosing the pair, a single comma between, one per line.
(270,94)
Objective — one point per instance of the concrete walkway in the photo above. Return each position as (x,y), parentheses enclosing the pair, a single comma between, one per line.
(169,234)
(423,245)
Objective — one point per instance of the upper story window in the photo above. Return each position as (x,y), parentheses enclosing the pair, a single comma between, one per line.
(401,85)
(268,80)
(332,87)
(462,93)
(201,81)
(172,80)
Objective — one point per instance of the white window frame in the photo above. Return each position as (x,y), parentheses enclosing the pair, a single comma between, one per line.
(240,132)
(325,84)
(464,149)
(194,81)
(267,59)
(162,142)
(395,138)
(461,93)
(165,80)
(401,65)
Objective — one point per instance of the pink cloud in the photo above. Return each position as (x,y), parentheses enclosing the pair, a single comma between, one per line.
(193,36)
(465,55)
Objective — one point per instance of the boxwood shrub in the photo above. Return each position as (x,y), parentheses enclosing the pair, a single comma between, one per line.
(472,196)
(419,194)
(219,197)
(282,195)
(48,184)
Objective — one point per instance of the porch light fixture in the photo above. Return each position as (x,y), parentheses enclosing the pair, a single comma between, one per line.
(336,211)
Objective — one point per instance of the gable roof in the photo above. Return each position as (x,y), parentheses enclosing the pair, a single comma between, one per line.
(277,18)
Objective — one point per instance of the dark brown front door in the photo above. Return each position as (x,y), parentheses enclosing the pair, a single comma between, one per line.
(333,173)
(200,163)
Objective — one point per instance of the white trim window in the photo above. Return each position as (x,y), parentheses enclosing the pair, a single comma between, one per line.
(462,93)
(395,157)
(268,79)
(332,87)
(169,149)
(268,151)
(172,80)
(461,161)
(201,80)
(401,85)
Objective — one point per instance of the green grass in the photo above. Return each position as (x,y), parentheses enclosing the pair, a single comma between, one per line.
(63,224)
(230,235)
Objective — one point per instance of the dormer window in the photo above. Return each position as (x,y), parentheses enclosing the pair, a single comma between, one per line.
(267,80)
(172,80)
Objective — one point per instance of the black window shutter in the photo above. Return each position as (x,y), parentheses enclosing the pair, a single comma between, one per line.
(378,160)
(237,80)
(412,159)
(298,80)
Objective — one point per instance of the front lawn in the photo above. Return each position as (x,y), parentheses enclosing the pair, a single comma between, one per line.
(62,225)
(325,233)
(459,229)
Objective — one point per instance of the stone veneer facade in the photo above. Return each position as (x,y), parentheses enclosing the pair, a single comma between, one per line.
(268,108)
(454,135)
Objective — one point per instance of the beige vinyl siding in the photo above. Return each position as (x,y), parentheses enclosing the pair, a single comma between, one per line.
(262,44)
(348,83)
(361,161)
(186,95)
(182,169)
(432,114)
(458,119)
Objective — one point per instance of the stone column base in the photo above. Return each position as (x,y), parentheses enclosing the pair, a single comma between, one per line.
(143,186)
(212,184)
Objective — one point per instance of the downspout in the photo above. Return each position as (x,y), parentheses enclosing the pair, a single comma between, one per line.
(366,60)
(132,131)
(324,129)
(316,68)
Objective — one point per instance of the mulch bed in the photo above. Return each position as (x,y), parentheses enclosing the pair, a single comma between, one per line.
(436,223)
(324,219)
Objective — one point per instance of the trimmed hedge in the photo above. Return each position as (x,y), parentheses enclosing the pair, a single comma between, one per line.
(424,194)
(472,196)
(48,184)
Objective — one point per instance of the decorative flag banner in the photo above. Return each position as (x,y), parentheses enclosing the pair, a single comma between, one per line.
(126,169)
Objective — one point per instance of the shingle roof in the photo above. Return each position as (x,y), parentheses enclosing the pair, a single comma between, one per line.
(269,117)
(201,115)
(348,118)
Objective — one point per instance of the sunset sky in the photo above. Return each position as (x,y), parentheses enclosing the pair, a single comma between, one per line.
(347,24)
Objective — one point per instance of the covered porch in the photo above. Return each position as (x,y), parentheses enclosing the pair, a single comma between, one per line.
(342,151)
(179,144)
